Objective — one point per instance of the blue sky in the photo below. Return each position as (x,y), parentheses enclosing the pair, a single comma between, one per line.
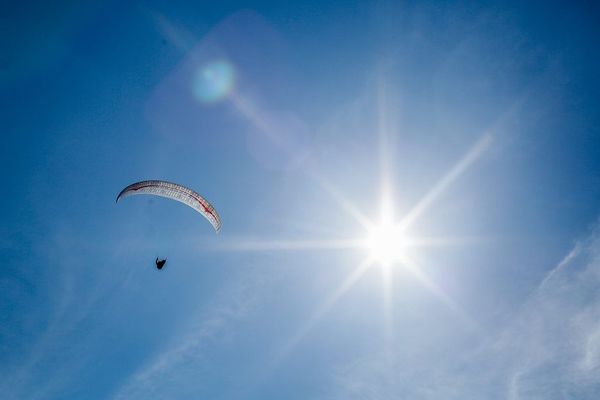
(473,123)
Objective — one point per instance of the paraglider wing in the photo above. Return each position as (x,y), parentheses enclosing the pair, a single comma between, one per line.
(175,192)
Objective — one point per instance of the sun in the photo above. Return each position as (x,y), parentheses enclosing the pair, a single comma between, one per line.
(386,243)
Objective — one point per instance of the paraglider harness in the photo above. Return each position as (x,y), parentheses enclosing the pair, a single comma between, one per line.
(160,263)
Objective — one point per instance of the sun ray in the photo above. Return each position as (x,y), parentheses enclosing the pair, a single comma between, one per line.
(459,168)
(444,241)
(260,120)
(411,265)
(384,130)
(344,203)
(257,245)
(346,285)
(387,283)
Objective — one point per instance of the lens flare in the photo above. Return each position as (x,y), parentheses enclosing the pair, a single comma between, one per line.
(214,81)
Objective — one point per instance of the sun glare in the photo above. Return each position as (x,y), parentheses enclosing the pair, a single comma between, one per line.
(386,243)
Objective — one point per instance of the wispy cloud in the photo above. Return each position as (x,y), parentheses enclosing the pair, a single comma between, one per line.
(65,307)
(170,368)
(550,349)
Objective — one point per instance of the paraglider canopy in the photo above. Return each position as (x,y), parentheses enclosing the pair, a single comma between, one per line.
(175,192)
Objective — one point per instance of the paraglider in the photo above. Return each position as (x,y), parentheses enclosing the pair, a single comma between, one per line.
(178,193)
(175,192)
(160,263)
